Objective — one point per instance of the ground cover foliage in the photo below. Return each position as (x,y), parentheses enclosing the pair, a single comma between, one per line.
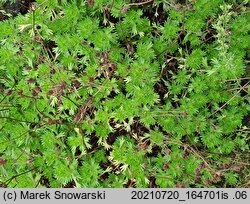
(103,93)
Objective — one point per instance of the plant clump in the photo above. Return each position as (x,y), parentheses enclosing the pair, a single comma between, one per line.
(125,93)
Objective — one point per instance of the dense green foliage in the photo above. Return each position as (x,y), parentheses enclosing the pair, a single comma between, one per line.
(103,93)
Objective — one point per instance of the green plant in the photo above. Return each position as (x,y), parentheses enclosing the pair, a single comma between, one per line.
(125,94)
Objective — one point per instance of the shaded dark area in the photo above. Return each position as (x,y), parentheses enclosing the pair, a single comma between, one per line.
(155,151)
(210,36)
(246,121)
(155,13)
(104,166)
(138,128)
(49,45)
(130,184)
(152,182)
(114,135)
(93,141)
(161,89)
(24,5)
(44,181)
(20,6)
